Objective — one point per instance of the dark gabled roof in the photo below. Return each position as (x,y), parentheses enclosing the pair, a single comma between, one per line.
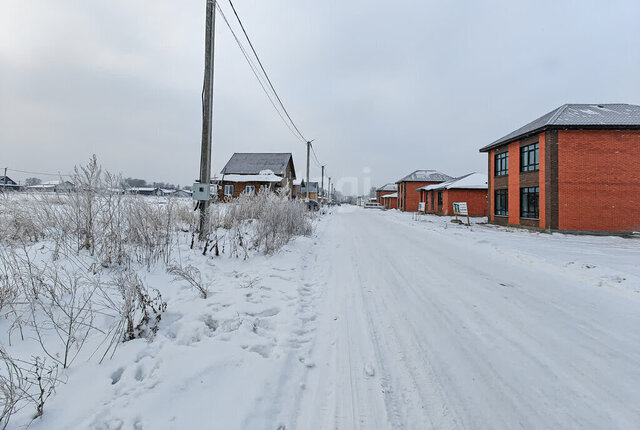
(388,187)
(577,116)
(313,188)
(253,163)
(8,179)
(425,176)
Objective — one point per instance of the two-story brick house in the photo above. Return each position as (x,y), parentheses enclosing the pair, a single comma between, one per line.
(577,168)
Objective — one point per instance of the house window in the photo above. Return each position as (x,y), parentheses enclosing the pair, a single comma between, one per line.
(529,158)
(439,200)
(502,164)
(250,190)
(501,202)
(228,190)
(529,199)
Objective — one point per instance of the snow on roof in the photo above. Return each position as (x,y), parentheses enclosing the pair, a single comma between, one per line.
(425,176)
(270,177)
(471,181)
(388,187)
(390,196)
(575,115)
(254,163)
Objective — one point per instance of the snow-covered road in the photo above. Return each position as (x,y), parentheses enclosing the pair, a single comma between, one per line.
(420,325)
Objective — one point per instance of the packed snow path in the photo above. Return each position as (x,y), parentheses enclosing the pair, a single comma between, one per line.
(419,327)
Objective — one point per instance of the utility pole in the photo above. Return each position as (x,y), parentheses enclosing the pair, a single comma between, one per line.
(329,198)
(5,178)
(322,182)
(207,114)
(308,153)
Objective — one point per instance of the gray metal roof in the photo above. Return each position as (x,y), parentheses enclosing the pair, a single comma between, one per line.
(254,163)
(313,188)
(425,176)
(388,187)
(577,115)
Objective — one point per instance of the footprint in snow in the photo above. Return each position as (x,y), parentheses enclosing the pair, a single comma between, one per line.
(369,370)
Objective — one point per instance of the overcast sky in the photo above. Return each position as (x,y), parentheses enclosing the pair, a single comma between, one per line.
(383,87)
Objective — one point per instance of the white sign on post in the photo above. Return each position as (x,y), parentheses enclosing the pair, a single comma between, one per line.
(460,208)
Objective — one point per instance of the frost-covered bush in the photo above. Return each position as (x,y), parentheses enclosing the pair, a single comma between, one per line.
(266,222)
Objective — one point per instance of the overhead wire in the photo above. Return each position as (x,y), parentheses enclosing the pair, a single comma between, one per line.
(254,69)
(265,72)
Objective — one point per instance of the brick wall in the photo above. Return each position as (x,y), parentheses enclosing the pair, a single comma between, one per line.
(476,201)
(514,183)
(599,180)
(238,188)
(412,196)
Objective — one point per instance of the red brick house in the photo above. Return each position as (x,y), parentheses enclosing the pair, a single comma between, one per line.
(408,194)
(471,188)
(389,201)
(576,168)
(385,190)
(248,173)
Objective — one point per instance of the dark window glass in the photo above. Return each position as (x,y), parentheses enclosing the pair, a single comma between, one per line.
(502,164)
(529,199)
(439,198)
(529,158)
(502,202)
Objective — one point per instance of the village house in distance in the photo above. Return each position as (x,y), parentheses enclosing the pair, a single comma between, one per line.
(408,194)
(387,196)
(470,189)
(577,168)
(248,173)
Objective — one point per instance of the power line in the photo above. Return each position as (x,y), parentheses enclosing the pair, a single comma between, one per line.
(254,69)
(313,151)
(265,72)
(37,173)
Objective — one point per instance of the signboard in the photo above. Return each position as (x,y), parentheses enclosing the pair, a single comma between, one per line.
(460,208)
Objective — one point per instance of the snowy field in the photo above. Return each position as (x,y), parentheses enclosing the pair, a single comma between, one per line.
(379,320)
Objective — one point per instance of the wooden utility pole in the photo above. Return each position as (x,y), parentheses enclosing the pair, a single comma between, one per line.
(329,197)
(308,154)
(207,113)
(322,182)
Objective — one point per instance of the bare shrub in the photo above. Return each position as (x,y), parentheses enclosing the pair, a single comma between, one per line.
(139,309)
(192,275)
(23,383)
(64,306)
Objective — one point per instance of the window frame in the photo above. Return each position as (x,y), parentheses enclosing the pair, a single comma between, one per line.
(530,157)
(228,187)
(501,164)
(526,194)
(503,210)
(250,187)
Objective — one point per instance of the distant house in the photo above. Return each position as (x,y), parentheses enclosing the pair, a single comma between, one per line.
(389,201)
(57,186)
(248,173)
(577,168)
(145,191)
(408,196)
(384,190)
(8,184)
(313,191)
(177,193)
(471,189)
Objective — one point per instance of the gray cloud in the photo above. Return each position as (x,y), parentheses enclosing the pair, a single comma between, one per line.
(390,86)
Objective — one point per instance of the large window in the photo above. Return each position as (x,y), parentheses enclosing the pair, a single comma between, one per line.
(502,164)
(529,158)
(439,201)
(529,199)
(502,202)
(250,190)
(228,190)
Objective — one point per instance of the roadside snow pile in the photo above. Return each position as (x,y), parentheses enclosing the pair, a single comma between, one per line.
(105,297)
